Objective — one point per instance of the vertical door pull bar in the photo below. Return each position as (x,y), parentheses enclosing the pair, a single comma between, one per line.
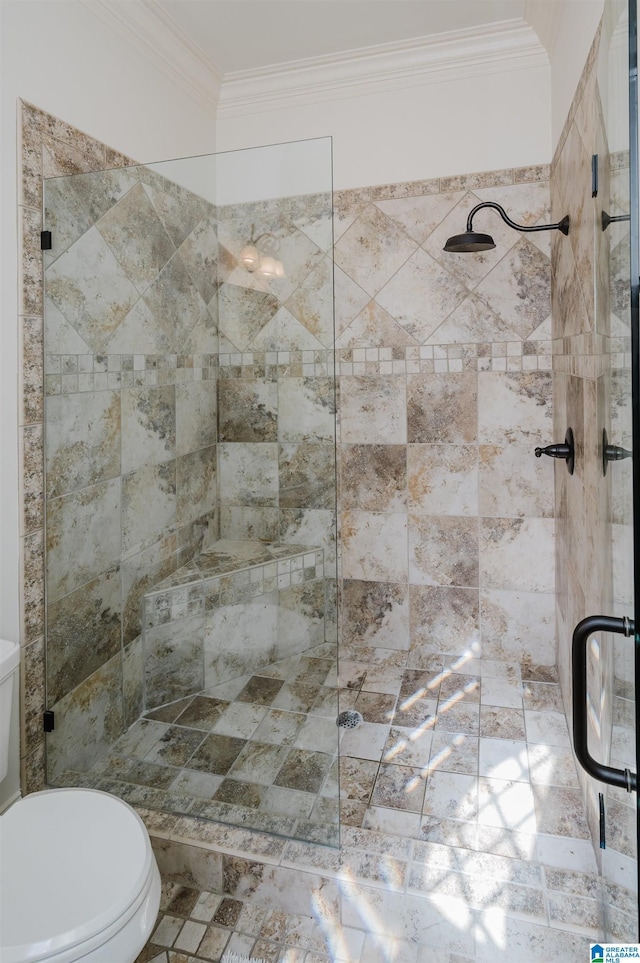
(583,630)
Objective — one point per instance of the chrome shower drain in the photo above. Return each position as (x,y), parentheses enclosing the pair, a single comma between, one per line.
(349,719)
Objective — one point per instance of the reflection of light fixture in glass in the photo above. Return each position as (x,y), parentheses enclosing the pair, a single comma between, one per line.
(261,260)
(250,257)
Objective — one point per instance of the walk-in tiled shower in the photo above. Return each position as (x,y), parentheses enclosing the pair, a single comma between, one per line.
(214,445)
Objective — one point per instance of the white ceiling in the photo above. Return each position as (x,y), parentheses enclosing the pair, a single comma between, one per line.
(238,35)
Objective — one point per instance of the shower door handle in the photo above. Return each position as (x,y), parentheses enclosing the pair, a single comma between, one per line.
(581,634)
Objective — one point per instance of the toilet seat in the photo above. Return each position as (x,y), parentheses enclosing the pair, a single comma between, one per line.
(76,865)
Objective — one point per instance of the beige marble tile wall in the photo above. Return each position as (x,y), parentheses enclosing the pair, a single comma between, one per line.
(445,371)
(277,382)
(130,432)
(447,527)
(591,393)
(47,147)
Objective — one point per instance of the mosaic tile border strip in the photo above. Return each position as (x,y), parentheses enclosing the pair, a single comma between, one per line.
(414,359)
(271,364)
(428,359)
(73,374)
(171,604)
(292,206)
(442,185)
(382,192)
(590,355)
(591,344)
(590,368)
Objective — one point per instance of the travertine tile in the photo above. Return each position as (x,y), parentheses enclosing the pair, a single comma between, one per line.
(506,547)
(443,551)
(374,546)
(248,411)
(93,609)
(451,794)
(506,804)
(375,613)
(524,269)
(454,752)
(442,479)
(507,620)
(442,409)
(373,410)
(504,759)
(421,295)
(367,741)
(372,249)
(502,482)
(501,723)
(441,616)
(560,812)
(546,728)
(514,407)
(399,787)
(419,216)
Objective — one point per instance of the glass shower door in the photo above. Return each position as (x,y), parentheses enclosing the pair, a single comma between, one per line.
(604,657)
(190,487)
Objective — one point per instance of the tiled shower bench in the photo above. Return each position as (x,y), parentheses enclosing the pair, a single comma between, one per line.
(238,607)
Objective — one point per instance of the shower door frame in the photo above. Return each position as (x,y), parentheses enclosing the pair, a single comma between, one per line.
(634,268)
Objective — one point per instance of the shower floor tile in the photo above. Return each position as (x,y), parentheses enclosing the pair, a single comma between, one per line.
(280,727)
(239,793)
(260,691)
(201,713)
(175,746)
(304,770)
(446,748)
(466,822)
(501,723)
(260,762)
(240,719)
(476,901)
(216,754)
(259,752)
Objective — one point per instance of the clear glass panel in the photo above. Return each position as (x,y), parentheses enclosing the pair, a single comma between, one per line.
(190,486)
(619,858)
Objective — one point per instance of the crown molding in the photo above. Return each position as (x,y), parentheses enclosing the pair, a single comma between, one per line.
(544,17)
(160,40)
(455,55)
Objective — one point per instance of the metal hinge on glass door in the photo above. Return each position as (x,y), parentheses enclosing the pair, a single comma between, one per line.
(595,623)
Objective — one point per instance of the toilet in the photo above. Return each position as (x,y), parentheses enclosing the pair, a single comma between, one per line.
(78,878)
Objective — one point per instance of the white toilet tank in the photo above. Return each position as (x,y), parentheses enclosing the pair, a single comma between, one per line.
(9,661)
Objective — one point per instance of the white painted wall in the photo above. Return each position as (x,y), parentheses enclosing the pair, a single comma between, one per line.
(63,59)
(566,28)
(510,118)
(283,170)
(484,123)
(254,174)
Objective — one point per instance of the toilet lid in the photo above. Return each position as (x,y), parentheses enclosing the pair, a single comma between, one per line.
(72,861)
